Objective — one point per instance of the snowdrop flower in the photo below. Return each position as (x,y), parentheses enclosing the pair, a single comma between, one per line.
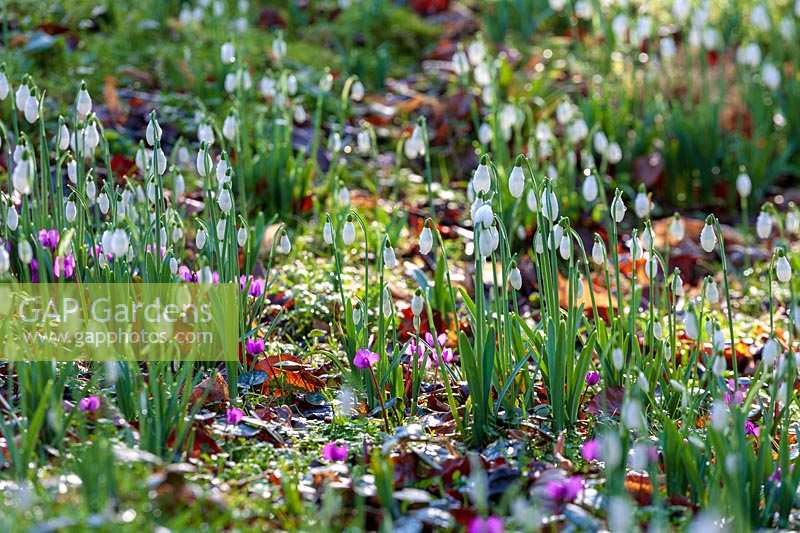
(327,233)
(5,260)
(344,196)
(635,247)
(414,147)
(389,258)
(326,82)
(515,278)
(743,185)
(617,358)
(538,244)
(516,182)
(12,218)
(417,303)
(284,245)
(618,208)
(565,247)
(71,211)
(783,270)
(119,243)
(771,76)
(179,185)
(91,137)
(484,216)
(21,176)
(153,132)
(425,241)
(103,203)
(267,87)
(677,228)
(83,103)
(690,324)
(565,112)
(4,85)
(225,201)
(485,133)
(486,242)
(549,203)
(764,224)
(792,221)
(482,180)
(598,254)
(348,233)
(161,162)
(279,48)
(708,239)
(363,142)
(21,96)
(91,191)
(205,134)
(25,251)
(203,163)
(600,142)
(241,237)
(583,9)
(577,131)
(712,292)
(63,137)
(177,234)
(227,53)
(749,54)
(229,127)
(589,189)
(760,17)
(221,227)
(651,269)
(200,239)
(531,201)
(357,91)
(667,48)
(641,205)
(31,110)
(770,352)
(222,171)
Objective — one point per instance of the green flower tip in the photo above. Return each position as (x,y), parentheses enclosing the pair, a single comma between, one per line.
(519,160)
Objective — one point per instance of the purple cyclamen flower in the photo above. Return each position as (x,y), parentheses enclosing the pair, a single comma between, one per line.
(256,287)
(491,524)
(440,340)
(89,404)
(751,429)
(233,416)
(48,238)
(564,490)
(592,378)
(186,274)
(590,450)
(334,452)
(64,266)
(365,358)
(255,346)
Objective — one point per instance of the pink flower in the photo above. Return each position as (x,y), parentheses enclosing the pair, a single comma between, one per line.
(440,340)
(334,452)
(89,404)
(491,524)
(49,238)
(414,347)
(590,450)
(564,490)
(233,416)
(64,266)
(592,378)
(751,429)
(365,358)
(254,346)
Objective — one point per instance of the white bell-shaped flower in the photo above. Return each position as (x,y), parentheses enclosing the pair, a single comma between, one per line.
(348,233)
(425,241)
(708,239)
(516,182)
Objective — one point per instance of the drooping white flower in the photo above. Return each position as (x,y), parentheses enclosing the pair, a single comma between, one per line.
(482,179)
(783,270)
(484,216)
(589,189)
(205,133)
(343,196)
(348,233)
(357,91)
(538,243)
(770,352)
(515,278)
(617,358)
(4,86)
(83,103)
(691,325)
(414,147)
(63,137)
(516,182)
(229,127)
(21,96)
(279,48)
(549,205)
(12,218)
(71,211)
(614,153)
(200,239)
(119,243)
(743,185)
(327,233)
(389,257)
(708,239)
(284,245)
(25,251)
(618,209)
(676,228)
(760,17)
(417,304)
(425,241)
(5,260)
(598,255)
(712,292)
(227,53)
(222,171)
(565,247)
(225,201)
(792,221)
(203,163)
(180,185)
(764,224)
(771,76)
(153,132)
(641,205)
(31,110)
(103,203)
(532,201)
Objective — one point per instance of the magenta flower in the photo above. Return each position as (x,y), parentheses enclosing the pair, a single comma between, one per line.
(256,287)
(564,490)
(590,450)
(89,404)
(365,358)
(64,266)
(734,396)
(49,238)
(233,416)
(592,378)
(440,340)
(186,274)
(751,429)
(491,524)
(334,452)
(414,347)
(254,346)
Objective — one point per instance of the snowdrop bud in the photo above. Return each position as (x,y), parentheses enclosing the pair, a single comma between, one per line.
(83,104)
(482,180)
(618,208)
(229,128)
(565,247)
(618,358)
(241,237)
(153,132)
(71,211)
(783,270)
(549,208)
(173,266)
(285,245)
(203,163)
(690,324)
(770,352)
(590,188)
(641,205)
(227,53)
(25,251)
(357,91)
(387,302)
(63,137)
(425,241)
(533,203)
(417,303)
(389,258)
(119,243)
(327,233)
(21,96)
(91,137)
(348,233)
(712,292)
(161,162)
(31,110)
(515,278)
(103,202)
(792,221)
(538,243)
(676,228)
(708,239)
(764,224)
(12,218)
(743,185)
(200,239)
(222,170)
(598,255)
(516,182)
(5,260)
(225,201)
